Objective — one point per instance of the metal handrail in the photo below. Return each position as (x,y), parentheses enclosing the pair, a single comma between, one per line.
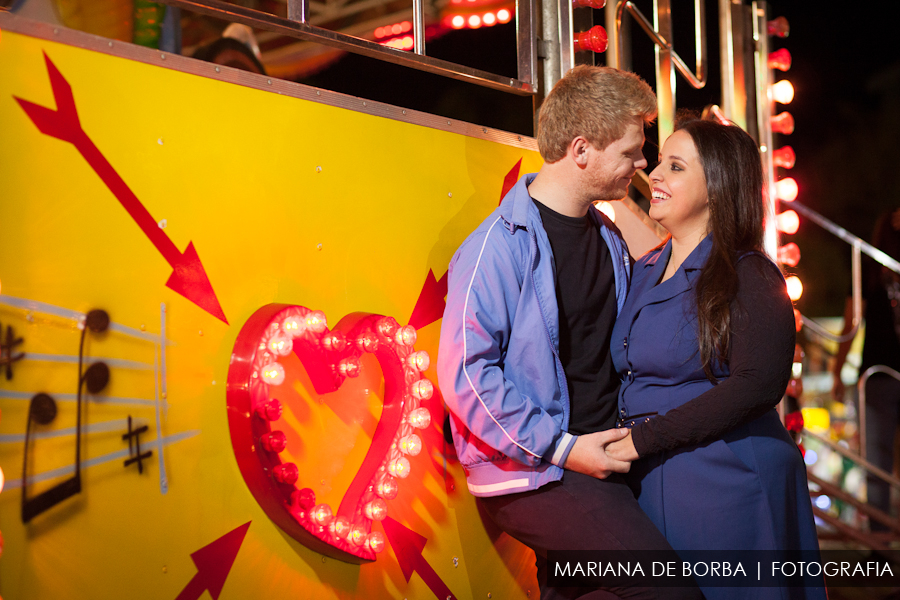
(859,246)
(862,406)
(297,25)
(697,81)
(847,453)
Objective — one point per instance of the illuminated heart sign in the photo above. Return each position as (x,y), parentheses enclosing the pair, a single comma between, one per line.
(329,358)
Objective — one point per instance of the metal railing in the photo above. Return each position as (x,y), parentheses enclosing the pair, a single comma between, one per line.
(667,59)
(858,246)
(297,25)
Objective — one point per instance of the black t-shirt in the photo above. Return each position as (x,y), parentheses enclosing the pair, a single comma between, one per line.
(586,294)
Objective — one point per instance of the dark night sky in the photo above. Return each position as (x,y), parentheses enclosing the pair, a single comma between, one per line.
(846,108)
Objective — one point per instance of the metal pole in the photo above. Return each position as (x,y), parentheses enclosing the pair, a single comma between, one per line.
(418,26)
(298,10)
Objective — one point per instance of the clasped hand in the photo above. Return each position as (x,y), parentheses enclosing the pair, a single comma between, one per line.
(602,453)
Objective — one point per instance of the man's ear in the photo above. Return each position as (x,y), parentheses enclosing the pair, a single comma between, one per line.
(580,148)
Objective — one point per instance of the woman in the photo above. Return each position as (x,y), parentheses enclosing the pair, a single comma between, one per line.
(704,346)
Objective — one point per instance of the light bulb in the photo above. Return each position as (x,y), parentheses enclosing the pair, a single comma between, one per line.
(504,15)
(287,473)
(271,410)
(794,287)
(349,367)
(779,27)
(422,389)
(783,123)
(780,59)
(274,441)
(786,189)
(489,19)
(784,157)
(281,344)
(334,341)
(388,326)
(305,498)
(410,444)
(367,342)
(375,542)
(316,321)
(294,326)
(406,336)
(399,467)
(358,534)
(789,254)
(340,527)
(419,418)
(273,374)
(458,22)
(788,222)
(321,515)
(419,360)
(783,91)
(474,21)
(376,509)
(388,488)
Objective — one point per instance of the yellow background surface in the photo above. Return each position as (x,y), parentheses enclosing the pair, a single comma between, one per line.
(285,200)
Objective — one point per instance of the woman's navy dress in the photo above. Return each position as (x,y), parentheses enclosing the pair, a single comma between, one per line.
(718,472)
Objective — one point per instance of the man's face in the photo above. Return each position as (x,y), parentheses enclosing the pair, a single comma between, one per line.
(609,171)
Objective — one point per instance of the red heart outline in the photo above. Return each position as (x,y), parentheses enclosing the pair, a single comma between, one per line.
(328,363)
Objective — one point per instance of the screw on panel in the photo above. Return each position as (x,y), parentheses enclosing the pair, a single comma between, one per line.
(217,69)
(159,141)
(318,169)
(201,333)
(269,81)
(214,382)
(404,112)
(162,223)
(364,103)
(162,57)
(56,32)
(318,246)
(110,44)
(455,562)
(165,569)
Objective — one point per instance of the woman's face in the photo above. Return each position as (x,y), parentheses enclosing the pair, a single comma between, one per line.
(680,202)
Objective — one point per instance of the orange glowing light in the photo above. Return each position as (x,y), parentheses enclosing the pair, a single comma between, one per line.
(789,254)
(375,542)
(783,123)
(788,222)
(411,444)
(422,389)
(273,374)
(503,15)
(794,287)
(458,22)
(780,59)
(607,209)
(405,26)
(784,157)
(420,418)
(379,32)
(786,189)
(474,21)
(783,92)
(489,19)
(399,468)
(376,510)
(396,28)
(407,42)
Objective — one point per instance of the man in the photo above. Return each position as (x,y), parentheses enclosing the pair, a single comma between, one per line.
(524,362)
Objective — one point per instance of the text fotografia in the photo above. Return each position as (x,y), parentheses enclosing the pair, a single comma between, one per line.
(722,569)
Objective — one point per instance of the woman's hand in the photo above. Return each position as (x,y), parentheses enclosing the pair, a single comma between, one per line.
(622,449)
(590,454)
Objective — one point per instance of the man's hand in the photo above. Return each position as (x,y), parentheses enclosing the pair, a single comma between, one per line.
(623,449)
(589,456)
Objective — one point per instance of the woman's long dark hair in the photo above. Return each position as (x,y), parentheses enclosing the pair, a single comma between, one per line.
(734,183)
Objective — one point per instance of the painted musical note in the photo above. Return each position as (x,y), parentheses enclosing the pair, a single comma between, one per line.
(42,411)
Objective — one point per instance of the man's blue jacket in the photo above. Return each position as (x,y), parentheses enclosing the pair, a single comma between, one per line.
(498,363)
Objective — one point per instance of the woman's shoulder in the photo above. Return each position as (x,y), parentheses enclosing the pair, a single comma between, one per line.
(755,264)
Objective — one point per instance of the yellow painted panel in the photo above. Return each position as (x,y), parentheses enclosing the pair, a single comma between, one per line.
(285,200)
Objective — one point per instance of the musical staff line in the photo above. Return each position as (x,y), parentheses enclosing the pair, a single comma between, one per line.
(99,460)
(17,438)
(13,395)
(74,315)
(120,363)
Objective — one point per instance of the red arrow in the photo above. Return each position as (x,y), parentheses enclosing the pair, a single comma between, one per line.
(188,278)
(430,305)
(510,180)
(408,546)
(213,564)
